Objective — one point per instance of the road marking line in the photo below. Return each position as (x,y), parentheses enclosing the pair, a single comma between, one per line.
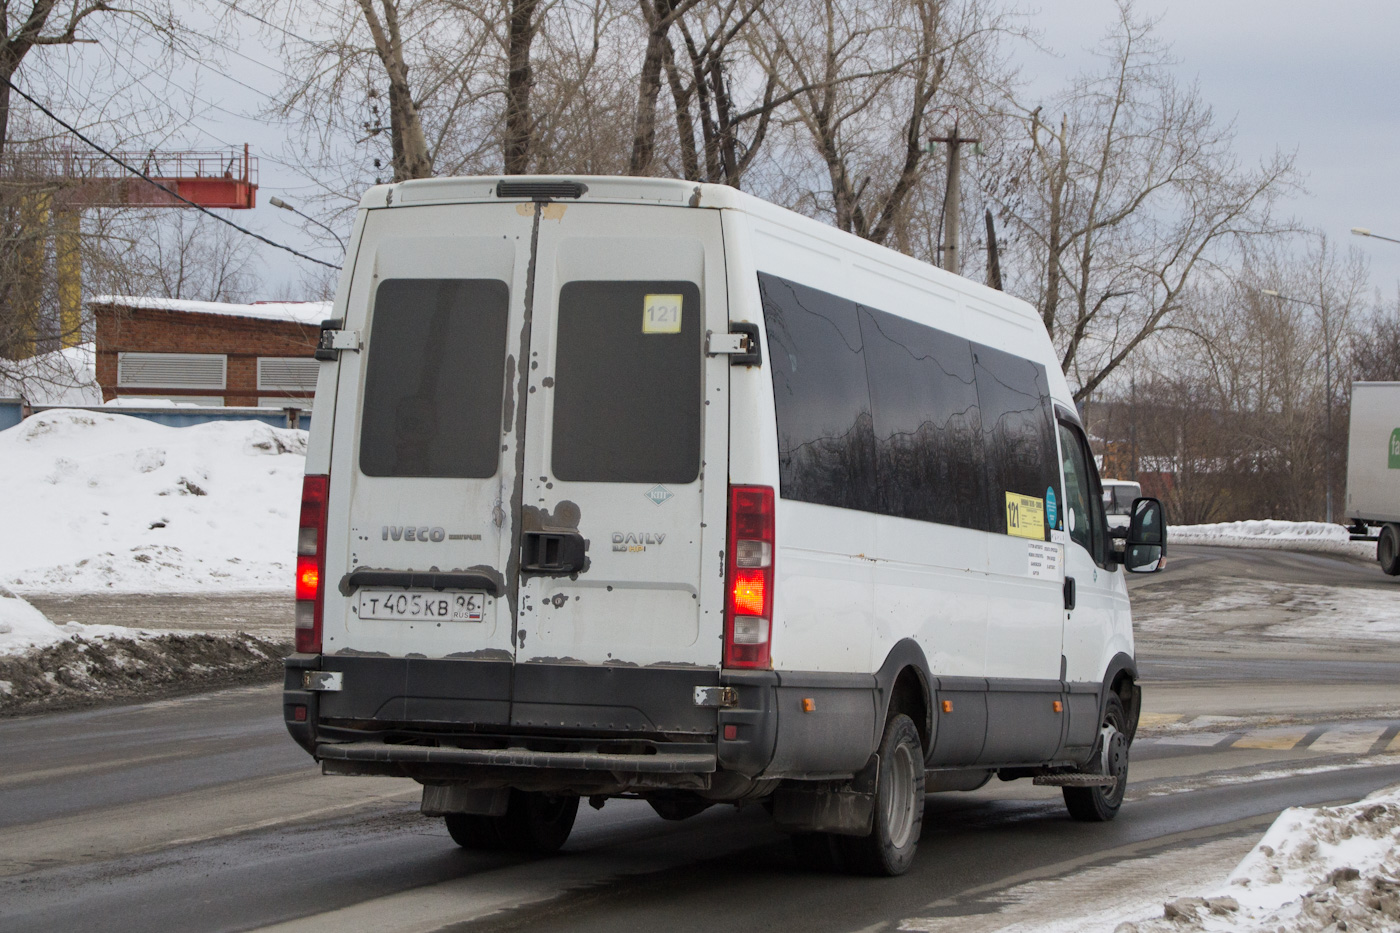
(1159,719)
(1274,740)
(1346,741)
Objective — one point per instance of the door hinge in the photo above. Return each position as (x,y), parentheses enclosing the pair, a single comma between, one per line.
(716,697)
(323,681)
(740,344)
(333,340)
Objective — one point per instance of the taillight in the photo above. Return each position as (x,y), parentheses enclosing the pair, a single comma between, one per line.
(311,563)
(748,617)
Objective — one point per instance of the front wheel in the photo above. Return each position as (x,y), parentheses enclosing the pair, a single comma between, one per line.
(1100,804)
(899,805)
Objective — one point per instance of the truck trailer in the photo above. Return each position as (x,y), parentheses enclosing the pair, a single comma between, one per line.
(1373,469)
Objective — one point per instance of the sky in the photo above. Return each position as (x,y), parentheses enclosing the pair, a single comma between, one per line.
(1291,76)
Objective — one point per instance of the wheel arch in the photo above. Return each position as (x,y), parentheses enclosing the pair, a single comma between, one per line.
(904,685)
(1121,678)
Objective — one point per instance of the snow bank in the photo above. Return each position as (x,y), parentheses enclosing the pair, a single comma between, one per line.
(98,502)
(24,628)
(61,377)
(1331,868)
(1268,533)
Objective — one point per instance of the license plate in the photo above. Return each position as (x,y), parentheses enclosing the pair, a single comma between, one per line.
(404,605)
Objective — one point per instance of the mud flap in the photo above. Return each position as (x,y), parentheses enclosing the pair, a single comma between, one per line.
(847,809)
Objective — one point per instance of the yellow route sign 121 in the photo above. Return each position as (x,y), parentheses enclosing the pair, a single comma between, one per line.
(1025,516)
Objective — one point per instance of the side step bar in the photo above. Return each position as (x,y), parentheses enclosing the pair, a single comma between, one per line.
(1074,779)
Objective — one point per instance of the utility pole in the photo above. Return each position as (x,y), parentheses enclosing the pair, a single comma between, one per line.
(993,254)
(952,200)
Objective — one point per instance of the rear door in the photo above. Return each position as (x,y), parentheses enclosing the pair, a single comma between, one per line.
(530,426)
(626,421)
(423,461)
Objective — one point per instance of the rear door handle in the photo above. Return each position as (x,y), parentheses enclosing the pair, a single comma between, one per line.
(1069,593)
(552,552)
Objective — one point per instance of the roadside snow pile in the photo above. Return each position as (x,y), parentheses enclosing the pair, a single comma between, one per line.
(83,671)
(98,502)
(1331,868)
(24,628)
(1267,533)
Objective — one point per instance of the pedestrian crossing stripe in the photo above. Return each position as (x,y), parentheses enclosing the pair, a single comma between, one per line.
(1373,737)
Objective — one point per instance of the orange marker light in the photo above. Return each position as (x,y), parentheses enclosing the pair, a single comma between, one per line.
(1059,707)
(809,705)
(748,592)
(947,706)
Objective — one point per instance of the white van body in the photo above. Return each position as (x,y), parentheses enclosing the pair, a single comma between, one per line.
(532,419)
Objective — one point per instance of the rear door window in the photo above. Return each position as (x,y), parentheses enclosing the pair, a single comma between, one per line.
(435,378)
(628,382)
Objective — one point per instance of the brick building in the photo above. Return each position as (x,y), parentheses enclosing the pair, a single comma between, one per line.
(209,353)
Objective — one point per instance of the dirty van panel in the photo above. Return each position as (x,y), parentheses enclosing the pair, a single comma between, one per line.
(626,421)
(424,458)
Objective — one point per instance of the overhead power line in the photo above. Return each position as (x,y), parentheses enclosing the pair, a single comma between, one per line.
(142,175)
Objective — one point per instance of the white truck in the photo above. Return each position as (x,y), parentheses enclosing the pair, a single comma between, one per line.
(1373,469)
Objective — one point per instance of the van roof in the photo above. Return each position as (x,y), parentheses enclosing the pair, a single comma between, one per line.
(676,192)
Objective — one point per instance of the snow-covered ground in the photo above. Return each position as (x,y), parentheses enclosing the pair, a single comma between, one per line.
(1268,533)
(98,502)
(1330,868)
(1315,871)
(24,628)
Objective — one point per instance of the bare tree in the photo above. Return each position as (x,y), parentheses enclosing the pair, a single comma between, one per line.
(868,80)
(1127,195)
(172,254)
(1236,412)
(703,84)
(40,24)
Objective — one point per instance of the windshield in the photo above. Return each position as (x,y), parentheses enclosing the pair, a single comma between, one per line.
(1118,498)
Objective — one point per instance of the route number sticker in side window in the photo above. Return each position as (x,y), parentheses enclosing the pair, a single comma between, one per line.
(661,314)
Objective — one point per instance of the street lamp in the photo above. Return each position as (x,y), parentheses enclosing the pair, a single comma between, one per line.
(1362,231)
(1327,357)
(278,202)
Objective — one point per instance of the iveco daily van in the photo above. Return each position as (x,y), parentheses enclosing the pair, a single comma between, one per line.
(643,487)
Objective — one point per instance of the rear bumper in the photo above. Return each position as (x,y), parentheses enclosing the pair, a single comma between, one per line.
(591,728)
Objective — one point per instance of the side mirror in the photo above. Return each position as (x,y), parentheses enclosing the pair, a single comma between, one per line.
(1146,549)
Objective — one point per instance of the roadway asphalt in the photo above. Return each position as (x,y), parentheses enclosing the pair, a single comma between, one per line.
(199,814)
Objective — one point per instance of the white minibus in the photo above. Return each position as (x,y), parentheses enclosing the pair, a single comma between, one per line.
(624,486)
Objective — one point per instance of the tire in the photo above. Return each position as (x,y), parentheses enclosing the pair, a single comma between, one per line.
(474,832)
(1388,549)
(538,824)
(1100,804)
(899,806)
(534,823)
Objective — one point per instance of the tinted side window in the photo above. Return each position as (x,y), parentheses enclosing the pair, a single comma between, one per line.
(928,438)
(627,382)
(435,378)
(825,434)
(1018,434)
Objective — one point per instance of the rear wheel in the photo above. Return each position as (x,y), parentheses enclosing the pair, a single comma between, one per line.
(534,823)
(475,832)
(899,805)
(1388,549)
(1100,804)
